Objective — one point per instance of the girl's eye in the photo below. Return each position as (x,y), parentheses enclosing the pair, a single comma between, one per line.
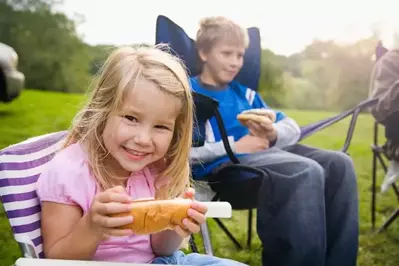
(162,127)
(130,118)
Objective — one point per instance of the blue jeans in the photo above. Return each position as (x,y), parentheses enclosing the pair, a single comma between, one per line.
(308,207)
(194,259)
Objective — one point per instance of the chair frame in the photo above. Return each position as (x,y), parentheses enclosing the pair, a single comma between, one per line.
(211,106)
(353,113)
(380,158)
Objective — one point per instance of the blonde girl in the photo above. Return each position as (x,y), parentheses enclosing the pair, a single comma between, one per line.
(131,140)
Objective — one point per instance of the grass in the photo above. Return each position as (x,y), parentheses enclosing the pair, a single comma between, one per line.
(35,113)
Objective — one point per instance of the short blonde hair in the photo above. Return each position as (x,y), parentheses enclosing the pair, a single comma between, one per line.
(123,68)
(214,29)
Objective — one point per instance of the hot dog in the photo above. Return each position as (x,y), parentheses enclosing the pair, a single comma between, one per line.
(257,115)
(152,216)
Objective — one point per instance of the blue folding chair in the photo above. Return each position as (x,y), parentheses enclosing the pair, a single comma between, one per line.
(223,182)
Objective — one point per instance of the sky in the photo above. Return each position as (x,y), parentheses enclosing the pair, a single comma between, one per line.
(286,26)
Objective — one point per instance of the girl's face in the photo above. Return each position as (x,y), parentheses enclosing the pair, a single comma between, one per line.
(141,132)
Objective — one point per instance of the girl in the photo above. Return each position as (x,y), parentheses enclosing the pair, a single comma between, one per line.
(130,141)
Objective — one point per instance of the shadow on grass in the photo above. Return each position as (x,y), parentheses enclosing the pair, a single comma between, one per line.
(5,113)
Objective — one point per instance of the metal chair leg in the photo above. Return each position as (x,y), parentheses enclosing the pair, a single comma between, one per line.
(227,232)
(206,239)
(193,246)
(389,221)
(373,189)
(249,233)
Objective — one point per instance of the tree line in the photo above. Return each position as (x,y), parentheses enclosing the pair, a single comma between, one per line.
(53,57)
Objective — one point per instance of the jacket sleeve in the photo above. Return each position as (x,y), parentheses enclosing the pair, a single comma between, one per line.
(385,86)
(210,151)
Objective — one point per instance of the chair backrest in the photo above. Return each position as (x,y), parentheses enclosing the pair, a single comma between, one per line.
(20,167)
(184,47)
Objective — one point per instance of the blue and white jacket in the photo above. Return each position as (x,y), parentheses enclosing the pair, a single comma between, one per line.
(232,101)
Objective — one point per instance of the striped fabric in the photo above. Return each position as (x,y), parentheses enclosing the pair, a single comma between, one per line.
(20,166)
(250,95)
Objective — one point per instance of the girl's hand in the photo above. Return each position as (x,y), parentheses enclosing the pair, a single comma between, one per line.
(113,200)
(196,213)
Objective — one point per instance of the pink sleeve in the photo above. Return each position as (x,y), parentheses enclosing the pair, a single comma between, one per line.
(63,181)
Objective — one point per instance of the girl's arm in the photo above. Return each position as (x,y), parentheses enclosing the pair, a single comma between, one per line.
(66,234)
(166,242)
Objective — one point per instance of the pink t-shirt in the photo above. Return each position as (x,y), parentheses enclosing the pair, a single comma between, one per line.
(67,179)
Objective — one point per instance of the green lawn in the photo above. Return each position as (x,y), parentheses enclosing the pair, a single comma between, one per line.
(37,113)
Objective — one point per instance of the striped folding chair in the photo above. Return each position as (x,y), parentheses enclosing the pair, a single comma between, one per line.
(20,166)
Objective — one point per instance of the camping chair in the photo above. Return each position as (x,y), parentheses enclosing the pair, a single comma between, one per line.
(20,167)
(223,183)
(380,157)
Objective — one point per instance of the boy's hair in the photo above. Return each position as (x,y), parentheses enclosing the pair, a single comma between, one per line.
(214,29)
(123,68)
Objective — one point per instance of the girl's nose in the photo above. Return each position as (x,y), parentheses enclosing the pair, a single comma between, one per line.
(143,137)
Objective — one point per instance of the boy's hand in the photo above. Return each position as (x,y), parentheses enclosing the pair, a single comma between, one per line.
(251,144)
(196,213)
(263,130)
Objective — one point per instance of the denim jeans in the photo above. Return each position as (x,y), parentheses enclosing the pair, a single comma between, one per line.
(195,259)
(308,207)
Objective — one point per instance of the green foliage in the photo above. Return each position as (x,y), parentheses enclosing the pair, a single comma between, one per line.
(51,55)
(44,112)
(271,81)
(336,76)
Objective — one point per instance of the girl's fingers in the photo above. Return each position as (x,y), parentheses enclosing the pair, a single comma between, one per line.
(181,232)
(111,208)
(198,206)
(189,194)
(191,226)
(113,196)
(109,222)
(196,216)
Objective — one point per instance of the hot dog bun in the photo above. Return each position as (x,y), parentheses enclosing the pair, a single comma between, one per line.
(152,216)
(262,112)
(259,119)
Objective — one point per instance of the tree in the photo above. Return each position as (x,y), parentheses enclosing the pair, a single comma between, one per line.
(52,56)
(271,82)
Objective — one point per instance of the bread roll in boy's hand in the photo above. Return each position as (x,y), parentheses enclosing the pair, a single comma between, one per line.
(260,116)
(153,216)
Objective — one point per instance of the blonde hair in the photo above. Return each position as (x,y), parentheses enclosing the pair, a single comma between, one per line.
(123,68)
(214,29)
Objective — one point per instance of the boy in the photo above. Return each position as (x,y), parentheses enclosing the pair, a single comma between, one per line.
(311,217)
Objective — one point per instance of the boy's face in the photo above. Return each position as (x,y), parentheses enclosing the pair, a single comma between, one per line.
(222,62)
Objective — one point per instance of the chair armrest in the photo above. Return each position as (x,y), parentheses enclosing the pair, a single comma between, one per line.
(352,124)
